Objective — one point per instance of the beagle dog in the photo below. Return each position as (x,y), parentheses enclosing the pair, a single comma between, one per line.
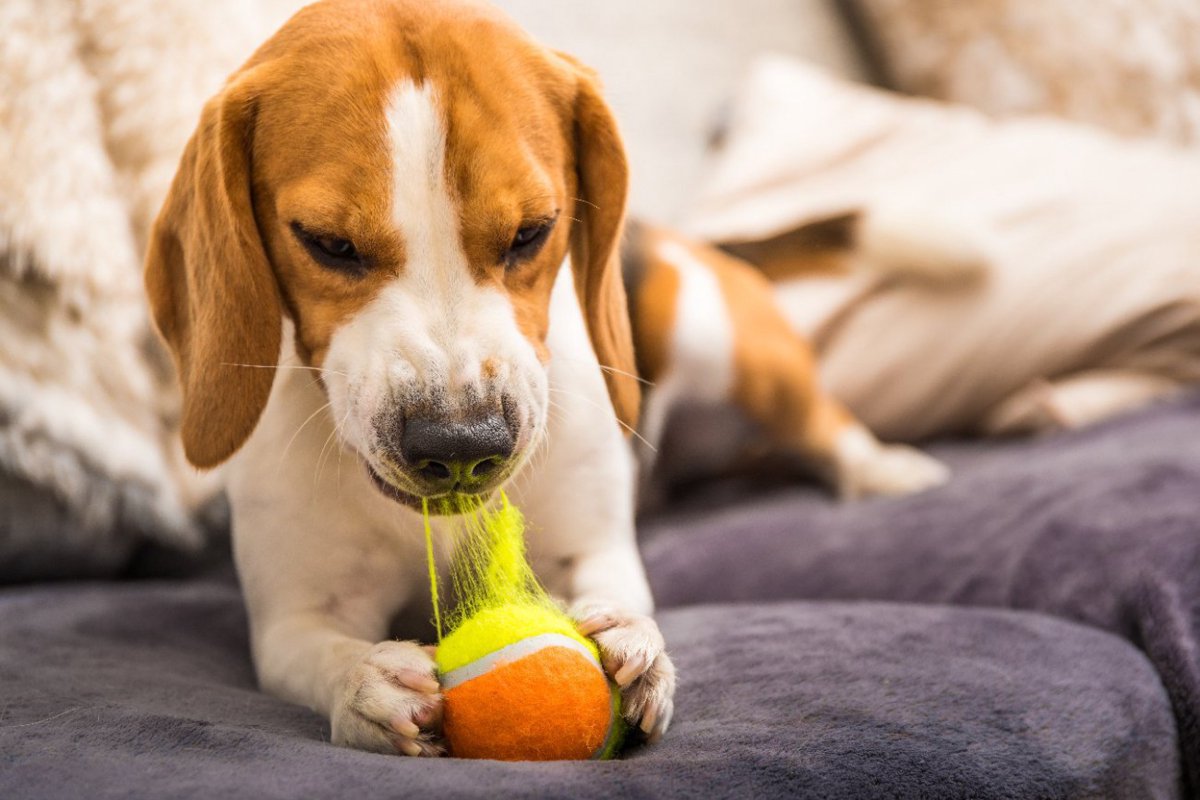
(389,270)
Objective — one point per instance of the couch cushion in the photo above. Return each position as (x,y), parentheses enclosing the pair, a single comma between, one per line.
(146,690)
(1101,526)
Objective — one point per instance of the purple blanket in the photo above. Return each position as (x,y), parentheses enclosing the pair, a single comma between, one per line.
(144,690)
(1101,527)
(791,685)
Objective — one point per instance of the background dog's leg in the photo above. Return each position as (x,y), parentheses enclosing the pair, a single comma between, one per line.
(859,465)
(1076,400)
(800,415)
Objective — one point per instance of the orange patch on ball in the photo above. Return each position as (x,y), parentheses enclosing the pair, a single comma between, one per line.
(549,705)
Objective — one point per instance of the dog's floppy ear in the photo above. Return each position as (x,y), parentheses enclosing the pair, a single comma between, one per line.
(211,288)
(603,179)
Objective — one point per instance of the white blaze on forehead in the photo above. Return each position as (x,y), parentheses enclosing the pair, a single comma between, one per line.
(422,207)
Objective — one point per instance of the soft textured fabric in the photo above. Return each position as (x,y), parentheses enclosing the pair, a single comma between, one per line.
(1100,526)
(1132,66)
(145,690)
(99,97)
(1091,241)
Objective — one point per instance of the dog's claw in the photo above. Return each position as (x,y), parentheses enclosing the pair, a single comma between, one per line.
(595,624)
(634,656)
(390,702)
(419,682)
(406,727)
(408,747)
(631,669)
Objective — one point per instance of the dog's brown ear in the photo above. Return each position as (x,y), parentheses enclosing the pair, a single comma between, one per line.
(211,288)
(603,180)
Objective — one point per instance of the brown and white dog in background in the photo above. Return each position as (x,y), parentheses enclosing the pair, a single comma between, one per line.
(362,271)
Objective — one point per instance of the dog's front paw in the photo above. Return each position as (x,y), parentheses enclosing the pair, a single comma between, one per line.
(634,656)
(390,702)
(889,471)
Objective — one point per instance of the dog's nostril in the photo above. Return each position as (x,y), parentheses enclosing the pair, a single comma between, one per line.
(435,469)
(482,469)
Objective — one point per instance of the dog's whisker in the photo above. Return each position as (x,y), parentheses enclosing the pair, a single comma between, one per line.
(336,441)
(542,446)
(616,371)
(319,370)
(573,199)
(607,368)
(332,437)
(341,452)
(311,417)
(620,421)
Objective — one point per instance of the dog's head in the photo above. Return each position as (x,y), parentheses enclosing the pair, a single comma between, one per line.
(402,180)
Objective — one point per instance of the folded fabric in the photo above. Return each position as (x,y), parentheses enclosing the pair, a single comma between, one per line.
(1092,246)
(146,690)
(1100,526)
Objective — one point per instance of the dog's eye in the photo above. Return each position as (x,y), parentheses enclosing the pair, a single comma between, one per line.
(333,252)
(528,235)
(337,248)
(528,240)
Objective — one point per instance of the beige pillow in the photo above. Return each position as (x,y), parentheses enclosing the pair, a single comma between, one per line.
(1131,66)
(1093,283)
(669,67)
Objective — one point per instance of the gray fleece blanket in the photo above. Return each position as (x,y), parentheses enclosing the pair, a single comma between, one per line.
(1101,527)
(825,651)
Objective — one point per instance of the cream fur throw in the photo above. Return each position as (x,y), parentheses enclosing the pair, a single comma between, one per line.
(97,98)
(1091,301)
(1131,66)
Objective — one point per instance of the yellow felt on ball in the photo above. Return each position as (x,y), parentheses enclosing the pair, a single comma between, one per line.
(491,629)
(519,682)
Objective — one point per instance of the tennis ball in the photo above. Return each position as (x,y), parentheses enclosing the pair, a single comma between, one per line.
(520,683)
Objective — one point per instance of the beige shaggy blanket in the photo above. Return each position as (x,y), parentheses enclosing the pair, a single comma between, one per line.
(97,98)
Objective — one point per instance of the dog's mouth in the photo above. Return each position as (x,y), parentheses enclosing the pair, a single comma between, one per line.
(446,504)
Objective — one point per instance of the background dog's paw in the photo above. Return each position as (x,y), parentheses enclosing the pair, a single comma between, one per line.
(391,702)
(634,656)
(890,471)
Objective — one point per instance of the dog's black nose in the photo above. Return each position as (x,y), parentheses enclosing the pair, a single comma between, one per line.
(456,456)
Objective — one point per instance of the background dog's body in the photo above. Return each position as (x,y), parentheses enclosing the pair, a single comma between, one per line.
(711,337)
